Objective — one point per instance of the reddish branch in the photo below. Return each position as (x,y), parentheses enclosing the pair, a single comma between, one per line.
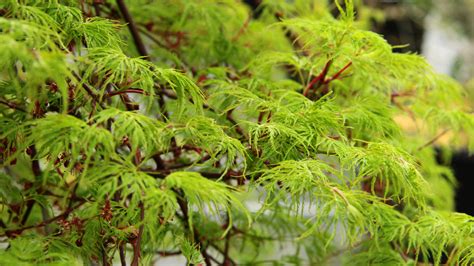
(179,36)
(318,80)
(227,262)
(241,30)
(336,76)
(161,44)
(395,95)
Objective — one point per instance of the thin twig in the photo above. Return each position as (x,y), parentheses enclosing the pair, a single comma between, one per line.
(227,261)
(35,167)
(12,105)
(169,253)
(433,140)
(94,104)
(242,29)
(137,91)
(64,215)
(336,76)
(152,38)
(89,91)
(133,29)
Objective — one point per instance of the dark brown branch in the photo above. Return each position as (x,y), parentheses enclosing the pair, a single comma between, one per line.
(123,261)
(137,91)
(105,261)
(89,91)
(94,104)
(169,253)
(129,105)
(35,167)
(133,29)
(236,125)
(153,38)
(12,105)
(227,260)
(117,196)
(213,259)
(137,241)
(185,218)
(64,215)
(96,4)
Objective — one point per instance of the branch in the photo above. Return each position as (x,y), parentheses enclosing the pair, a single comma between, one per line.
(136,241)
(232,120)
(242,29)
(35,167)
(169,253)
(227,260)
(133,29)
(117,196)
(96,4)
(336,76)
(105,261)
(153,38)
(129,105)
(433,140)
(64,215)
(318,80)
(12,105)
(89,91)
(137,91)
(183,204)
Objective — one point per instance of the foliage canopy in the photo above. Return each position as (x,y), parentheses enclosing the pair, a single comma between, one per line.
(134,130)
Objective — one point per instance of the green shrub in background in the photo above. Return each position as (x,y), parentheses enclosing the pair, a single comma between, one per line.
(133,130)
